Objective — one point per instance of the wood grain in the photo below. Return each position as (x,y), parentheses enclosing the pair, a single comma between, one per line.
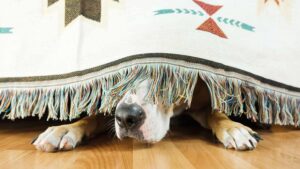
(187,146)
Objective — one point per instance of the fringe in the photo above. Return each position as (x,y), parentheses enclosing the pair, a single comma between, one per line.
(169,84)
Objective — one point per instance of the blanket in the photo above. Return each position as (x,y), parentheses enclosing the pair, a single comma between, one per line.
(62,58)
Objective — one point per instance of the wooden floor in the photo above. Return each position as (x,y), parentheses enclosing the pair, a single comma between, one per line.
(187,146)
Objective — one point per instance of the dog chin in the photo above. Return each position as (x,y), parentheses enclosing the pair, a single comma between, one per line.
(141,135)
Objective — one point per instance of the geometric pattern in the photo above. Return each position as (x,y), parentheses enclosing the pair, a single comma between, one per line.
(210,25)
(277,2)
(90,9)
(209,9)
(5,30)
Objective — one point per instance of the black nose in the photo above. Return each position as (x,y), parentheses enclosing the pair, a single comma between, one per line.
(130,115)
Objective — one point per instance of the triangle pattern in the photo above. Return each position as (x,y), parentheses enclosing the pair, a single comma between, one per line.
(209,9)
(211,26)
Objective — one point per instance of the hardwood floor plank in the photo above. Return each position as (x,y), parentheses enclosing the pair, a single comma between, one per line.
(187,146)
(163,155)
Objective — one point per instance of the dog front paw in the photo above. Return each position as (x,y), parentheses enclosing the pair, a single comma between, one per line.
(59,138)
(237,136)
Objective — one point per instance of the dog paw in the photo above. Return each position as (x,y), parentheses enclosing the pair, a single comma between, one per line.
(237,136)
(59,138)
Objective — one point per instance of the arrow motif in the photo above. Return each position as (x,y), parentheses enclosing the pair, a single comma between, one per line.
(247,27)
(219,19)
(231,22)
(225,20)
(5,30)
(200,13)
(178,11)
(193,12)
(236,23)
(164,11)
(210,24)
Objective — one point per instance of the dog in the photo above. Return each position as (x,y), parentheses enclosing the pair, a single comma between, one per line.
(149,122)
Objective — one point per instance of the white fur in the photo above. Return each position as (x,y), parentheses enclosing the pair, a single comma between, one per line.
(238,138)
(117,129)
(58,137)
(156,124)
(157,119)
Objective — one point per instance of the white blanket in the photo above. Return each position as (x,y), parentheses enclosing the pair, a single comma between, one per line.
(246,51)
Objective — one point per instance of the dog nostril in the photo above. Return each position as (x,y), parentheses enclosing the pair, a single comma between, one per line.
(131,121)
(141,114)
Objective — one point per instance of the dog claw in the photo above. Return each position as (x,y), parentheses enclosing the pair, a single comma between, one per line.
(33,140)
(256,136)
(252,144)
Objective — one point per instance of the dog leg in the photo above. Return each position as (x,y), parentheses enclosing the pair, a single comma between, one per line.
(232,134)
(67,137)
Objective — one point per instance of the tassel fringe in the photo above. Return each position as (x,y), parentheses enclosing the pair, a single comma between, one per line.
(169,84)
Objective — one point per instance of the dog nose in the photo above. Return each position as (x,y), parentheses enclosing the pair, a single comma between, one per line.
(130,115)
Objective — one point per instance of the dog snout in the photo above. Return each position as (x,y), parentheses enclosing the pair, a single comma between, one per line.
(130,116)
